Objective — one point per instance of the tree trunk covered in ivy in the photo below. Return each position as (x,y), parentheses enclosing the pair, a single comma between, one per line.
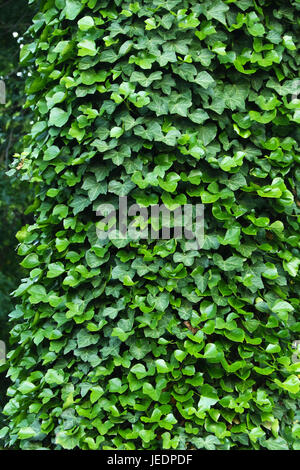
(147,343)
(14,194)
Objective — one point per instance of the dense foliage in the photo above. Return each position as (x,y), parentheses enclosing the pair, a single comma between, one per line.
(14,123)
(147,344)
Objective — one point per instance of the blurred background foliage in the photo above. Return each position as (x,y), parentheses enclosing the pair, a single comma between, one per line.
(15,17)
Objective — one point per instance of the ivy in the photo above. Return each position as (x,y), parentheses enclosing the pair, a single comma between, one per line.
(15,195)
(145,344)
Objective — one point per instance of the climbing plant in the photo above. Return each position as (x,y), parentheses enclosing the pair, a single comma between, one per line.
(146,343)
